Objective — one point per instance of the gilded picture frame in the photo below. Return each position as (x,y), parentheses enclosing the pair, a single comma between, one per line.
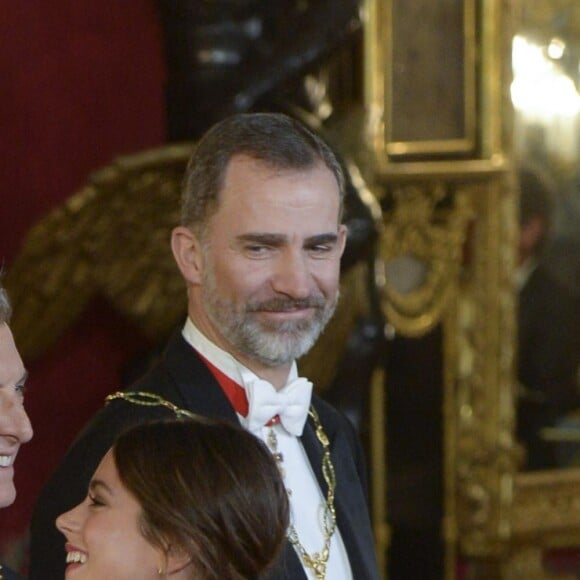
(405,50)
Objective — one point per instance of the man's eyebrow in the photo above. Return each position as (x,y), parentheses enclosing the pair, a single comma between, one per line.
(278,239)
(263,238)
(99,483)
(329,238)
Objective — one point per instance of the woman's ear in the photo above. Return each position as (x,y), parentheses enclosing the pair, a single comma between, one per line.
(176,560)
(187,252)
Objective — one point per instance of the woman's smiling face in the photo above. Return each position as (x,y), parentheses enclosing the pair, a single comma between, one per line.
(103,534)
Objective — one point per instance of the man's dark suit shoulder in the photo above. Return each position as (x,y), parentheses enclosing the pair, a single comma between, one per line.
(8,574)
(182,378)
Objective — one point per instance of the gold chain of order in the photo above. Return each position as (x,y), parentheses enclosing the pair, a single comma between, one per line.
(149,400)
(317,561)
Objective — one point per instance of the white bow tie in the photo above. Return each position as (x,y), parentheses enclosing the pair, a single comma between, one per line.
(290,404)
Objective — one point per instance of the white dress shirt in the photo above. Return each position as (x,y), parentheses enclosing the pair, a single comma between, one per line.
(306,499)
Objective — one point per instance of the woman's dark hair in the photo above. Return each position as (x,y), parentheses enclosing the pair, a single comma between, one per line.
(209,488)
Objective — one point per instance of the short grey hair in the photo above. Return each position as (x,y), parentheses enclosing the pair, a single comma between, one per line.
(277,140)
(5,308)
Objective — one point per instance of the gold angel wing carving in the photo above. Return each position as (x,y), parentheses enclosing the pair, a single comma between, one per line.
(110,238)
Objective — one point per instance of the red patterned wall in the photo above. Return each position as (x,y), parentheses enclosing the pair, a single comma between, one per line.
(81,82)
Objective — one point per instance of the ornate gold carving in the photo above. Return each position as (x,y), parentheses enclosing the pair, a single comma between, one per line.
(104,239)
(422,53)
(547,508)
(527,563)
(456,219)
(421,249)
(545,514)
(480,343)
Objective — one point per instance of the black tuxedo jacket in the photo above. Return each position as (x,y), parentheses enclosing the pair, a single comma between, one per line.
(181,377)
(549,339)
(548,360)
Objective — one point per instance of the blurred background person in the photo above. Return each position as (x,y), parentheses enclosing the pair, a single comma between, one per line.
(171,499)
(15,428)
(549,328)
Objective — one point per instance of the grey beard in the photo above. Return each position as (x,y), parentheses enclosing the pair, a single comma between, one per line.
(286,342)
(270,344)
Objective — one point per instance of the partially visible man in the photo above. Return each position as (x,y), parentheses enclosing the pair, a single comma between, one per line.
(259,247)
(548,327)
(15,428)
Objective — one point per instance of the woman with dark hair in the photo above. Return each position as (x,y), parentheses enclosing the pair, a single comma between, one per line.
(172,499)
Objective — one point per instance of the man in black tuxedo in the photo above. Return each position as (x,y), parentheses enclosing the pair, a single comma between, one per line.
(548,326)
(15,428)
(259,247)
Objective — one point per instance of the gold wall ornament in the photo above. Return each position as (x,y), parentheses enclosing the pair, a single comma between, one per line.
(406,44)
(545,515)
(421,249)
(112,238)
(480,339)
(527,563)
(547,507)
(440,168)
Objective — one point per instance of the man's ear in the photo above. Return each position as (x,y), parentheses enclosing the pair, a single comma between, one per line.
(342,235)
(187,252)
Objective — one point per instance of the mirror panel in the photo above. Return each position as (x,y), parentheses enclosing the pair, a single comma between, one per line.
(546,95)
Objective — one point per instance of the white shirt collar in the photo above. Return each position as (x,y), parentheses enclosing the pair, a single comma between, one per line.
(524,272)
(306,494)
(221,359)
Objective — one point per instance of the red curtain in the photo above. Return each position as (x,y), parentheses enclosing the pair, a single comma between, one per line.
(81,82)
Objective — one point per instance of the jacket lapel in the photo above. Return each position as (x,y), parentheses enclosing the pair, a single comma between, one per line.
(195,384)
(198,390)
(350,502)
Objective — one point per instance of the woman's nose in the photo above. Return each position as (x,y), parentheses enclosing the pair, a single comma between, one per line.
(69,522)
